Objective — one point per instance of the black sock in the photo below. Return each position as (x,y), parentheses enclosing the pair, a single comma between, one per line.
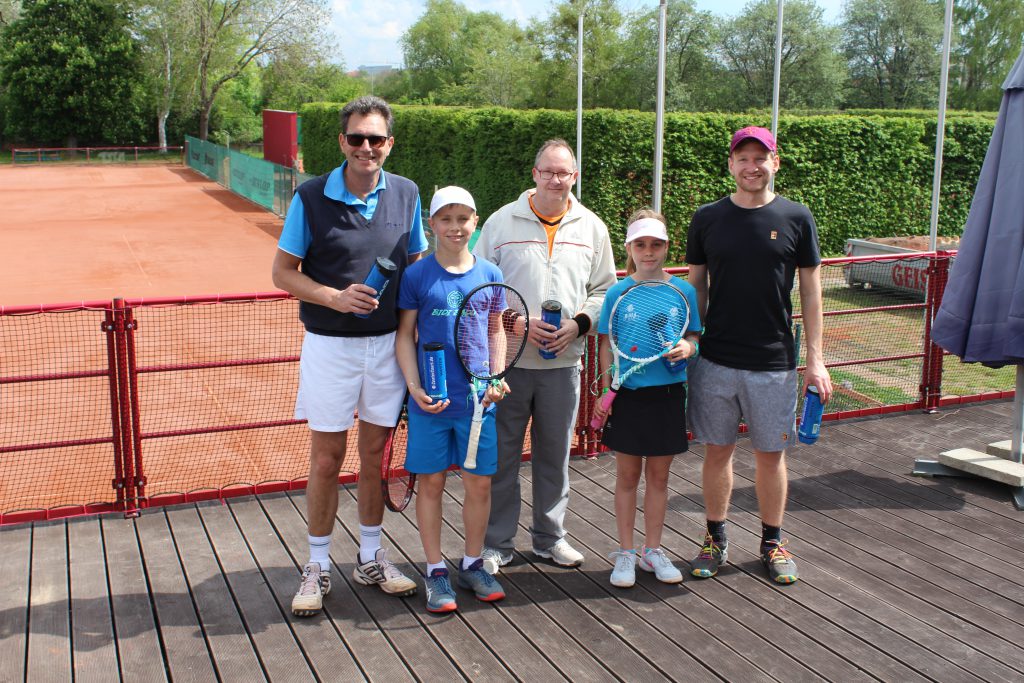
(717,532)
(770,533)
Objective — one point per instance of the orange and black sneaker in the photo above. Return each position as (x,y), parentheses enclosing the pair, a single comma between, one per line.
(780,564)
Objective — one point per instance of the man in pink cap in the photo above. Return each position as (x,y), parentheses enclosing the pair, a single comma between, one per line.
(744,251)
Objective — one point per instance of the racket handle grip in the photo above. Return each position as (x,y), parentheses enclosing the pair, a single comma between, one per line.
(473,445)
(606,403)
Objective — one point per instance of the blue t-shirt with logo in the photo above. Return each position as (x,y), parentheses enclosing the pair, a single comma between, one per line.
(435,294)
(655,373)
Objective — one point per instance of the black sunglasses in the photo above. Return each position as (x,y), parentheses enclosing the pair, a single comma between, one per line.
(357,140)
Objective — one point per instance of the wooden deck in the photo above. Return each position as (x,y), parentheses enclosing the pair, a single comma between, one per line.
(903,579)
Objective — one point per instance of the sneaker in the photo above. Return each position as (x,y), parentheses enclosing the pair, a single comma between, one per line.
(483,585)
(562,554)
(315,584)
(656,561)
(624,573)
(495,558)
(380,571)
(780,564)
(440,595)
(711,557)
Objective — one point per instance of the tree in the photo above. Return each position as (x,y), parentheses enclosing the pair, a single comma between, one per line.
(72,72)
(164,30)
(9,11)
(892,49)
(229,35)
(455,56)
(689,70)
(295,76)
(812,71)
(988,41)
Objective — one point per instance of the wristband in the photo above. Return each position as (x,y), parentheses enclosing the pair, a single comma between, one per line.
(696,349)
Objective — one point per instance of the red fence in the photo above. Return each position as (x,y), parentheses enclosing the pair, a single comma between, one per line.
(118,406)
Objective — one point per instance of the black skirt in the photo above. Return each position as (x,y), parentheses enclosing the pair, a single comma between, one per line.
(649,421)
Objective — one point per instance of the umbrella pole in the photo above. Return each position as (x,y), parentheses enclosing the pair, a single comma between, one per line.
(1018,433)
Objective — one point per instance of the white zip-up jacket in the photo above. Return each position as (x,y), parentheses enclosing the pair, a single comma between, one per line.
(578,272)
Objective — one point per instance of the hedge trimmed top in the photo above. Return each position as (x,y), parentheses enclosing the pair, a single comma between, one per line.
(861,176)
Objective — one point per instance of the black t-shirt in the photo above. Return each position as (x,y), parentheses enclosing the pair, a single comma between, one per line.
(751,256)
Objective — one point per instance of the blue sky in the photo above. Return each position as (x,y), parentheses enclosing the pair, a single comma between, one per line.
(368,31)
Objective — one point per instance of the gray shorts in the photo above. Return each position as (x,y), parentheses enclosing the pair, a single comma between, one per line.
(721,396)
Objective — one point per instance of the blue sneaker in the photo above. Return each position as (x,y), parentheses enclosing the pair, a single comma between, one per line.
(440,594)
(476,579)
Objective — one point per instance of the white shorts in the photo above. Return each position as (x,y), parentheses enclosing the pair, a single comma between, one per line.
(341,375)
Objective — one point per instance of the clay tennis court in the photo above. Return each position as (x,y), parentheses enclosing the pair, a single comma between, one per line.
(74,233)
(207,373)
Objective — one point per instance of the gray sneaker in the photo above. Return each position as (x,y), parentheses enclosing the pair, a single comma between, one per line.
(711,557)
(496,558)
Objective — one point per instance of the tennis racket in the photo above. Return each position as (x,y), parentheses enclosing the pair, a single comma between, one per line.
(396,482)
(487,346)
(646,322)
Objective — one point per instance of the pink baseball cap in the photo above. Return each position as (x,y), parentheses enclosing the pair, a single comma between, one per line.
(646,227)
(762,135)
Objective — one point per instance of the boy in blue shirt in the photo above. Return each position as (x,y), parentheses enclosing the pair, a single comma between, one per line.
(428,301)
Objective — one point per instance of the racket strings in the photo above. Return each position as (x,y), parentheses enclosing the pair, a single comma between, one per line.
(486,342)
(646,321)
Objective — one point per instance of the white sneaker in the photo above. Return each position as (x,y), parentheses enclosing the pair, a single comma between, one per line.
(624,573)
(655,560)
(382,572)
(562,554)
(495,558)
(315,584)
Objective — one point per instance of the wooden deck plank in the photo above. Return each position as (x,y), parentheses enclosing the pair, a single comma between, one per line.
(543,631)
(353,623)
(264,620)
(823,558)
(488,622)
(554,592)
(15,567)
(49,645)
(719,612)
(229,643)
(185,649)
(877,502)
(464,650)
(592,528)
(328,654)
(94,653)
(138,644)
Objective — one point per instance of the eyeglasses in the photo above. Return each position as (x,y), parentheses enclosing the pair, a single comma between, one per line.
(561,175)
(357,140)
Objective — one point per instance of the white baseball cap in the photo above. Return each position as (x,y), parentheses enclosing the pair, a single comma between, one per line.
(646,227)
(450,195)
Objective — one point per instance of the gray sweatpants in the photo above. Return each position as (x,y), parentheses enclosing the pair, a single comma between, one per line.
(551,398)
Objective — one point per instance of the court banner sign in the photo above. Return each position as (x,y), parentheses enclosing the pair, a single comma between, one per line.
(253,179)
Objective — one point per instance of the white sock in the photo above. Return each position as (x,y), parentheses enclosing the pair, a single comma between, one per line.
(320,551)
(468,561)
(369,542)
(432,567)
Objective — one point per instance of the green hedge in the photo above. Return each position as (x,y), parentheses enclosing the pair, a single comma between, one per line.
(860,175)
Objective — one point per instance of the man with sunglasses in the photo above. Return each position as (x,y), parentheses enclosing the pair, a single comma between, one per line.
(549,247)
(337,226)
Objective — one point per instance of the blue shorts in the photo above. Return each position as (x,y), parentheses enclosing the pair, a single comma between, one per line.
(437,442)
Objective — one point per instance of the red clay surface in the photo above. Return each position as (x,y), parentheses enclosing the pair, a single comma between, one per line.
(79,233)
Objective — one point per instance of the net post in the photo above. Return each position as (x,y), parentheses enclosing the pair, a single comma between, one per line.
(931,375)
(131,324)
(124,410)
(109,328)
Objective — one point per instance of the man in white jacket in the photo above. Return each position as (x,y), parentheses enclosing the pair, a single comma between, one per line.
(550,248)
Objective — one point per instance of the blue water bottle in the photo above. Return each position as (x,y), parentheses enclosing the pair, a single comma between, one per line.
(379,277)
(434,380)
(810,420)
(663,333)
(551,313)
